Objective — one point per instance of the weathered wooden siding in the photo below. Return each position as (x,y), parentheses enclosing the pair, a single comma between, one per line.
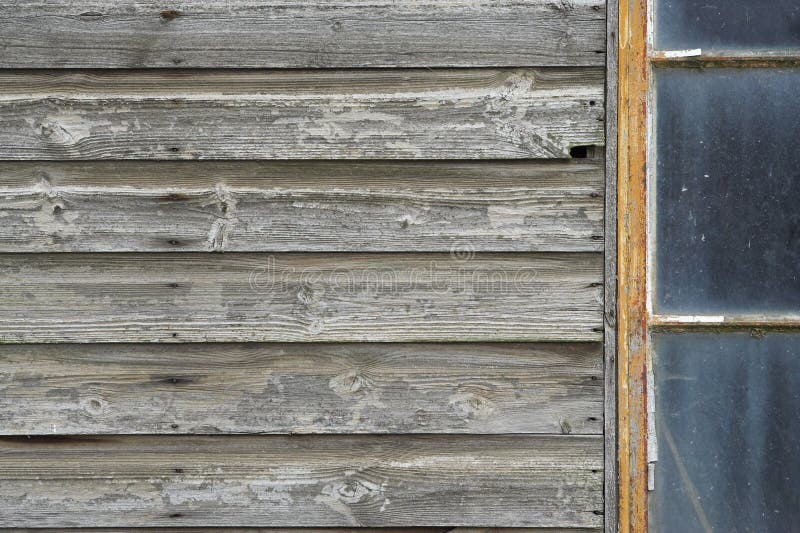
(441,529)
(408,114)
(301,481)
(302,388)
(269,206)
(300,297)
(313,264)
(301,34)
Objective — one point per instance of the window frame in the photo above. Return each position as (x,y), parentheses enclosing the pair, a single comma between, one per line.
(636,444)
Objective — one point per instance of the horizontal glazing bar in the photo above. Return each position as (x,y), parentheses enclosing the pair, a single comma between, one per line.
(749,58)
(741,321)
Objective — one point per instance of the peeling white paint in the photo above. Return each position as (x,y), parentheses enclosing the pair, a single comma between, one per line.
(693,52)
(692,319)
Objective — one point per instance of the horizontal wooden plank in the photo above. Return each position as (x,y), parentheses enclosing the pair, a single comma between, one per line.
(363,114)
(253,529)
(281,530)
(311,481)
(298,34)
(300,297)
(301,388)
(301,206)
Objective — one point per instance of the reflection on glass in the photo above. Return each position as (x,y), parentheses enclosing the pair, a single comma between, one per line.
(728,428)
(728,24)
(727,191)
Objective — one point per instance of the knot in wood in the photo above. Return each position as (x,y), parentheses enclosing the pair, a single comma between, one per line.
(170,14)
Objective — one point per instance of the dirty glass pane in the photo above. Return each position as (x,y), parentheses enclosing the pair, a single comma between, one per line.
(727,193)
(728,428)
(727,24)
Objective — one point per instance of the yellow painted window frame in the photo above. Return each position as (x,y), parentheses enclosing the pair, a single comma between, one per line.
(632,92)
(632,20)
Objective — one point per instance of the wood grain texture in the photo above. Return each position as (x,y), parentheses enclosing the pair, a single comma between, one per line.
(255,529)
(632,253)
(379,114)
(288,530)
(300,34)
(300,297)
(142,206)
(547,481)
(610,254)
(301,388)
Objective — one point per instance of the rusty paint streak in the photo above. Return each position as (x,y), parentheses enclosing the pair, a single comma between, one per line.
(631,265)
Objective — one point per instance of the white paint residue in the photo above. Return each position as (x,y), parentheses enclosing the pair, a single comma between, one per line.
(182,491)
(507,215)
(694,319)
(683,53)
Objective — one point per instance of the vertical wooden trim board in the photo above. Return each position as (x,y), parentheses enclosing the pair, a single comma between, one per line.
(632,261)
(610,315)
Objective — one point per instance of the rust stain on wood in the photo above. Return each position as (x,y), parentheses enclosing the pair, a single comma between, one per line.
(632,255)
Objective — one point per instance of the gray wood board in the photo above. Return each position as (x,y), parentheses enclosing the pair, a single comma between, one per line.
(440,529)
(204,297)
(298,34)
(148,206)
(308,481)
(301,388)
(362,114)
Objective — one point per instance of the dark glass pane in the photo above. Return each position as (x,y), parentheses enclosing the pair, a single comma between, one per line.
(728,427)
(728,24)
(727,191)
